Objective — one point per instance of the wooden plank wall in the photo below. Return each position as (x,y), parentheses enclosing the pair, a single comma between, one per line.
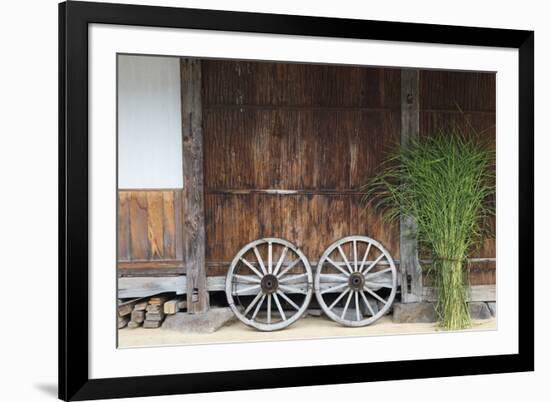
(466,100)
(318,131)
(149,231)
(315,130)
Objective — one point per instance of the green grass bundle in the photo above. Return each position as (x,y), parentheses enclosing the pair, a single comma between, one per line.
(447,184)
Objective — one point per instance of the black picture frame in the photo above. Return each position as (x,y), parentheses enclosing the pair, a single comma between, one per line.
(74,18)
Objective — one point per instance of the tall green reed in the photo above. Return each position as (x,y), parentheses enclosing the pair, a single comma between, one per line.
(446,183)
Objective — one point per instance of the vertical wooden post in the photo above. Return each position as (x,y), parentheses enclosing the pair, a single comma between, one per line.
(411,271)
(193,202)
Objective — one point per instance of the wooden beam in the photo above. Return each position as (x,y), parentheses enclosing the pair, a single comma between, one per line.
(151,264)
(193,197)
(138,287)
(478,293)
(280,192)
(143,287)
(411,271)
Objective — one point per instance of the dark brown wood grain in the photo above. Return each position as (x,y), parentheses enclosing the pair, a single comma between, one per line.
(229,83)
(302,150)
(233,221)
(482,124)
(157,264)
(123,230)
(155,224)
(169,225)
(192,195)
(272,126)
(269,127)
(139,242)
(149,228)
(457,90)
(285,150)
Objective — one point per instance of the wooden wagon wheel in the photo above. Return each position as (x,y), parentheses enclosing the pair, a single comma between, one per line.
(267,271)
(355,281)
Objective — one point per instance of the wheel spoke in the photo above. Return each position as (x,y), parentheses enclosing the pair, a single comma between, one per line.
(288,300)
(367,302)
(248,289)
(292,289)
(260,261)
(332,289)
(252,303)
(357,312)
(373,263)
(337,266)
(280,262)
(269,258)
(365,257)
(333,278)
(279,306)
(377,273)
(290,266)
(374,294)
(249,265)
(269,308)
(345,259)
(258,307)
(335,302)
(355,256)
(248,279)
(378,284)
(346,306)
(293,278)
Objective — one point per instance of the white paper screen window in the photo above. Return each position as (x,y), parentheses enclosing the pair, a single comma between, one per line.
(149,122)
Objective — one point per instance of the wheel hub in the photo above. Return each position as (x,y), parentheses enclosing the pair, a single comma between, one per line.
(356,281)
(269,283)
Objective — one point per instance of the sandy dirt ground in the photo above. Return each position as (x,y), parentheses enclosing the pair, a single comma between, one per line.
(305,328)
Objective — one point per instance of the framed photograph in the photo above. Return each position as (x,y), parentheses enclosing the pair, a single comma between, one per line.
(258,201)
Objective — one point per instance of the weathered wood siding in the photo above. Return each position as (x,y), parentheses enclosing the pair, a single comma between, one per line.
(149,231)
(466,100)
(318,131)
(193,188)
(313,132)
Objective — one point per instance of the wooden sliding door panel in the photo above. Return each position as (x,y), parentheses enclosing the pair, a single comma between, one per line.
(150,229)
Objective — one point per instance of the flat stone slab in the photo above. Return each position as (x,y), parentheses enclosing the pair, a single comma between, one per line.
(413,312)
(204,323)
(315,312)
(480,311)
